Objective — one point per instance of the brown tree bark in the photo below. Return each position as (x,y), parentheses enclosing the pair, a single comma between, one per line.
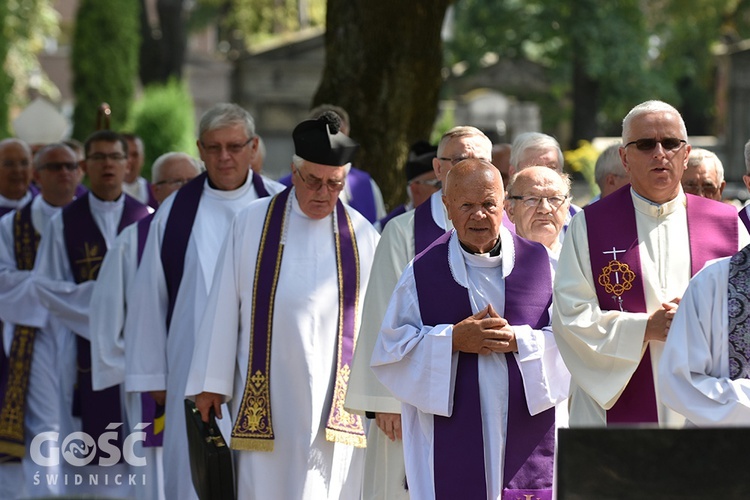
(163,47)
(383,65)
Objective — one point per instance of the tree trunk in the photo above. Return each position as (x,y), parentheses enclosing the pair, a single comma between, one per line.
(383,65)
(163,47)
(585,103)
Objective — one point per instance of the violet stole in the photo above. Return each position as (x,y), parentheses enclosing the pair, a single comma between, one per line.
(362,198)
(426,229)
(151,411)
(744,218)
(713,232)
(459,469)
(178,229)
(86,248)
(253,429)
(15,368)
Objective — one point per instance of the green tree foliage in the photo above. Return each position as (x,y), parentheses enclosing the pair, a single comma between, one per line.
(248,22)
(164,118)
(104,61)
(6,84)
(605,57)
(24,26)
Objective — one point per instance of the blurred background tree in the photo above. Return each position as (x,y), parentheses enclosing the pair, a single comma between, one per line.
(105,61)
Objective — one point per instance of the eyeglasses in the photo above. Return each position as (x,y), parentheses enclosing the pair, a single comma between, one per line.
(58,166)
(436,183)
(533,201)
(15,163)
(98,157)
(699,189)
(668,143)
(455,161)
(232,149)
(172,182)
(314,184)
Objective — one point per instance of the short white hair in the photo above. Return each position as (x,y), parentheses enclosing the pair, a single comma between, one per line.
(464,131)
(534,140)
(650,107)
(609,162)
(747,157)
(172,155)
(699,156)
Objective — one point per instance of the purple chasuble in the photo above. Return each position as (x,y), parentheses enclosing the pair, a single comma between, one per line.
(426,229)
(16,367)
(86,248)
(616,267)
(744,218)
(459,469)
(738,312)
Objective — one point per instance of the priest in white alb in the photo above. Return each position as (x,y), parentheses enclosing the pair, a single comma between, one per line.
(174,277)
(403,237)
(705,367)
(623,268)
(466,347)
(280,327)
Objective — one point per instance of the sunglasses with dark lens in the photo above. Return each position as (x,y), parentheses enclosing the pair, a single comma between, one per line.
(58,166)
(668,143)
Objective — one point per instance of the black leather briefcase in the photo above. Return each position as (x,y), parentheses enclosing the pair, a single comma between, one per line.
(210,457)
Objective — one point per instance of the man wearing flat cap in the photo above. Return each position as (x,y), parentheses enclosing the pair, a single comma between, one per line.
(286,305)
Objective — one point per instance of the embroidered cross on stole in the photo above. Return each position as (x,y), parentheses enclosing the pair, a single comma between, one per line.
(616,267)
(253,427)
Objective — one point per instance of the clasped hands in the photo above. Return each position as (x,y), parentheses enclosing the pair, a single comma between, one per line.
(483,333)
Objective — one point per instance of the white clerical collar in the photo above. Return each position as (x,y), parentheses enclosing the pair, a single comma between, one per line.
(7,202)
(459,259)
(648,207)
(98,205)
(229,195)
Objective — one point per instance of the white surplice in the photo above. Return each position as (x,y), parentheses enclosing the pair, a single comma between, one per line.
(14,204)
(19,304)
(602,348)
(694,369)
(303,353)
(408,350)
(138,189)
(106,322)
(384,461)
(159,360)
(68,305)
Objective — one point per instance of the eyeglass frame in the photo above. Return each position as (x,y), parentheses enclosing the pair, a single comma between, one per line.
(100,157)
(172,182)
(525,200)
(58,166)
(231,149)
(647,140)
(331,186)
(456,161)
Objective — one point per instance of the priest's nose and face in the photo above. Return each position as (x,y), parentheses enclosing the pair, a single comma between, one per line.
(317,187)
(473,196)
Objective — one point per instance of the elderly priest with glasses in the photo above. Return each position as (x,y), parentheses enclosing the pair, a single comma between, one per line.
(623,268)
(280,326)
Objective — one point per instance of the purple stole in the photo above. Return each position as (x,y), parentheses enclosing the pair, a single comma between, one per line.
(151,200)
(253,428)
(425,229)
(744,218)
(738,298)
(86,248)
(178,229)
(459,470)
(616,266)
(150,410)
(15,368)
